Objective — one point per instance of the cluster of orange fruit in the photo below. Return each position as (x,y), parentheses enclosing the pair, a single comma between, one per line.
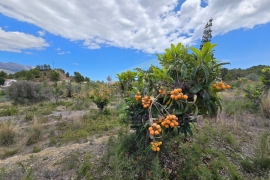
(155,129)
(177,94)
(220,86)
(138,96)
(170,121)
(155,146)
(146,101)
(163,92)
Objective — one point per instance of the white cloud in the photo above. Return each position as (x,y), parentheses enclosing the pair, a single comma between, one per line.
(139,24)
(76,64)
(18,41)
(41,33)
(63,52)
(28,52)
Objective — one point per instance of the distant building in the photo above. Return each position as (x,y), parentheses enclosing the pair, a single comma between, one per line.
(8,82)
(110,83)
(65,80)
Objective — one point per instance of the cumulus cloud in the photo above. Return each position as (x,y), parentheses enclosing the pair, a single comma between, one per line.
(76,64)
(41,33)
(17,41)
(139,24)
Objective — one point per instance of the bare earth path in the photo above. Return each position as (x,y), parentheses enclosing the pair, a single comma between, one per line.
(48,163)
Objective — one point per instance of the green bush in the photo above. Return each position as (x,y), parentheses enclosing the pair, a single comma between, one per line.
(24,92)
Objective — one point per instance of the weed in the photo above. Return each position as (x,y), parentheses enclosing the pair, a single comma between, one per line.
(28,116)
(2,173)
(29,175)
(247,165)
(75,135)
(71,161)
(261,161)
(35,133)
(9,111)
(196,159)
(36,149)
(52,142)
(7,133)
(262,152)
(85,168)
(238,106)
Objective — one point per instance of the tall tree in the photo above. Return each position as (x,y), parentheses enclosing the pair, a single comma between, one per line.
(207,33)
(78,77)
(2,80)
(109,79)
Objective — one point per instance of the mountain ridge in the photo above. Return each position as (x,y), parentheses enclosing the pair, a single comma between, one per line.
(11,67)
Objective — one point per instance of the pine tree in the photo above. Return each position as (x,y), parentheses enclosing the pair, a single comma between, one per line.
(207,33)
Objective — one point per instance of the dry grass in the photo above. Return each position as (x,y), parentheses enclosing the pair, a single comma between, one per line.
(7,133)
(35,132)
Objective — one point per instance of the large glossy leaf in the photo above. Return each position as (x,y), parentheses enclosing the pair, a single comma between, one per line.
(194,72)
(197,52)
(206,72)
(184,71)
(205,49)
(178,46)
(196,88)
(206,96)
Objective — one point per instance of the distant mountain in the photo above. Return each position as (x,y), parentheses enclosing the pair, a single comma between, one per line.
(12,67)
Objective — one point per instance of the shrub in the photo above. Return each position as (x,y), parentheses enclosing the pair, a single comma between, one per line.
(7,133)
(166,101)
(265,79)
(253,92)
(26,91)
(101,96)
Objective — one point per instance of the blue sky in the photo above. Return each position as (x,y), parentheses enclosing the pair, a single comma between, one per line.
(100,39)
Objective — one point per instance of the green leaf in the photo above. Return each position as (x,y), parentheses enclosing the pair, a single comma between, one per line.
(186,108)
(196,111)
(196,88)
(206,96)
(188,129)
(197,52)
(173,48)
(205,49)
(178,46)
(184,71)
(207,59)
(168,51)
(194,72)
(206,72)
(165,98)
(178,112)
